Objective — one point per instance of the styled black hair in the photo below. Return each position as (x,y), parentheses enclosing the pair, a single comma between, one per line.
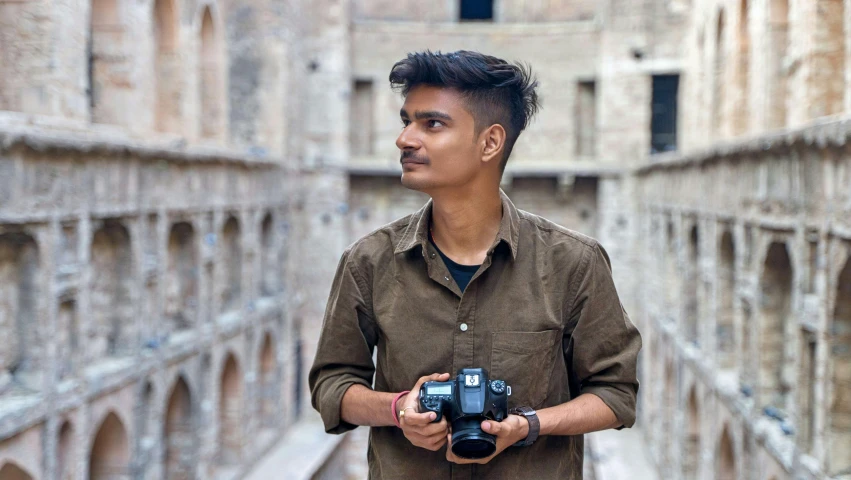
(496,91)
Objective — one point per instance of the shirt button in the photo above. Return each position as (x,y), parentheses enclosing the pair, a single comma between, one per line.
(463,327)
(432,254)
(446,278)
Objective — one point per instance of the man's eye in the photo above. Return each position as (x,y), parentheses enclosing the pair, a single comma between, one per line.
(435,123)
(405,123)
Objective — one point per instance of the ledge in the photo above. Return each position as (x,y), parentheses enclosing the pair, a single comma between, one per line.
(833,131)
(109,141)
(300,454)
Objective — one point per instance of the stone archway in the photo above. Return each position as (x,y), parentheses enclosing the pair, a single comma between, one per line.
(776,307)
(673,279)
(691,458)
(182,277)
(741,114)
(109,82)
(19,294)
(669,402)
(110,455)
(232,261)
(210,76)
(268,262)
(179,435)
(67,449)
(778,44)
(726,469)
(111,286)
(828,71)
(268,383)
(230,413)
(840,360)
(724,330)
(692,287)
(719,68)
(167,67)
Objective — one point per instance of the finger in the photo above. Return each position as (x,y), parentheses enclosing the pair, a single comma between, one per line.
(417,431)
(437,444)
(432,429)
(424,441)
(418,419)
(417,439)
(436,377)
(431,443)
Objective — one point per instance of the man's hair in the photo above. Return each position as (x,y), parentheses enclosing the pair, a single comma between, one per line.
(495,91)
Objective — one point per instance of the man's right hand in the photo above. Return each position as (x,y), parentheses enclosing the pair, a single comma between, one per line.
(417,426)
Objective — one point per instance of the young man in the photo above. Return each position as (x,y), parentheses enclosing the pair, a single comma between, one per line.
(469,281)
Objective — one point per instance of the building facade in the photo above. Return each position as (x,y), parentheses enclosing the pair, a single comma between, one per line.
(746,359)
(179,177)
(158,160)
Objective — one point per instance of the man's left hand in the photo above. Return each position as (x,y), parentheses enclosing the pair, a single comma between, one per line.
(508,432)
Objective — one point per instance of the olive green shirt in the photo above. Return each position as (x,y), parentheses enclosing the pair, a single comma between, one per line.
(541,313)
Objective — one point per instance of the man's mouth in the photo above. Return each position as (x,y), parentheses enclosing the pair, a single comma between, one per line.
(407,158)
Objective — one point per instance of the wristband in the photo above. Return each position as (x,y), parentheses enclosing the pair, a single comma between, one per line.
(393,407)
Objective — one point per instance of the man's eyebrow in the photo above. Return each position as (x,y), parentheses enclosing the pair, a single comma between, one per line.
(419,115)
(431,114)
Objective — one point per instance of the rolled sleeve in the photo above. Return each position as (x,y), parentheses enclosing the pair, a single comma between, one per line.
(604,344)
(344,352)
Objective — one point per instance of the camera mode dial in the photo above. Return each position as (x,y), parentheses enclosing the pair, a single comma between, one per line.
(498,387)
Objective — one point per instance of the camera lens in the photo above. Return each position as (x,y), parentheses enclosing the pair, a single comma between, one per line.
(469,440)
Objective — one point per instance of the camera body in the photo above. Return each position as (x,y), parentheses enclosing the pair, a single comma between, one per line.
(467,401)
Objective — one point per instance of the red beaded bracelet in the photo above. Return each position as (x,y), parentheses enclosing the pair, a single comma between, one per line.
(393,407)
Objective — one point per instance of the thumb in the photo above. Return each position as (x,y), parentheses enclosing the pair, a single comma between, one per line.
(493,427)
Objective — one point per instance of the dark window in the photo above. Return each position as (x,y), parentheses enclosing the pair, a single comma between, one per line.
(476,9)
(663,124)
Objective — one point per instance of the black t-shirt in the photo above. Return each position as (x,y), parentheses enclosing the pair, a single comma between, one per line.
(461,273)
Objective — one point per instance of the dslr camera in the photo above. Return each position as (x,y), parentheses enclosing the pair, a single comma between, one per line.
(467,401)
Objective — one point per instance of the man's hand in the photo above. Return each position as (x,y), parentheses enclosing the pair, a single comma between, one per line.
(416,426)
(508,432)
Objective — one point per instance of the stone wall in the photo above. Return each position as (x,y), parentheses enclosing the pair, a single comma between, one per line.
(570,57)
(163,185)
(762,66)
(504,11)
(746,358)
(136,308)
(178,179)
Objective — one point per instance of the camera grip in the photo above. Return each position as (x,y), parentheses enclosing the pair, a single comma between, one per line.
(432,405)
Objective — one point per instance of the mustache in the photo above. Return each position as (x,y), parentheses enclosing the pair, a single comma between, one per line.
(408,154)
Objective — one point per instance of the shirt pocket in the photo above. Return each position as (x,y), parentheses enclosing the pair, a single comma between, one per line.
(525,361)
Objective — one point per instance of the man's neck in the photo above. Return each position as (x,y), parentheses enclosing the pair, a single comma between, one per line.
(465,225)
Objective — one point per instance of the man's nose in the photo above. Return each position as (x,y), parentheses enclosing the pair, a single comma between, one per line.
(407,139)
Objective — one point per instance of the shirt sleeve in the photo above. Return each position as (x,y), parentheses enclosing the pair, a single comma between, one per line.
(344,352)
(604,344)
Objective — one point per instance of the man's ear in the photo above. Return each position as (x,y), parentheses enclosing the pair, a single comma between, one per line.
(492,140)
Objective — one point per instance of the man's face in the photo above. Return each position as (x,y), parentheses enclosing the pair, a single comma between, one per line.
(438,140)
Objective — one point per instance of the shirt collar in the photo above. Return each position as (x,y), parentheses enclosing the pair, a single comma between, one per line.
(417,231)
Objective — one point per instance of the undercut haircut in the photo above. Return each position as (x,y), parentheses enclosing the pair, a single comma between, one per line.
(495,91)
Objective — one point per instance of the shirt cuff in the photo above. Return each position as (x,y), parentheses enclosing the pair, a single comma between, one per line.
(621,403)
(331,401)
